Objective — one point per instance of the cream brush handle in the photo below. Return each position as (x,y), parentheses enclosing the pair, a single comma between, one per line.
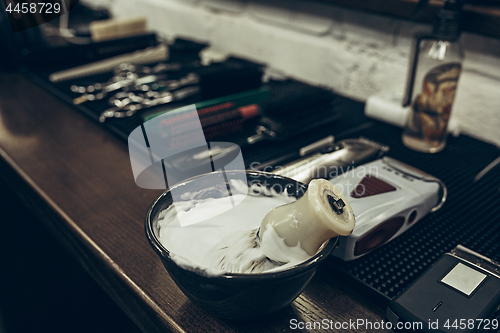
(322,213)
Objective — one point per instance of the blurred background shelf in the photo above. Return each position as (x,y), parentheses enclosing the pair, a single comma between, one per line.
(480,16)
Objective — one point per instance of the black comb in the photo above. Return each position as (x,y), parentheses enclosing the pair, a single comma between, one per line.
(293,108)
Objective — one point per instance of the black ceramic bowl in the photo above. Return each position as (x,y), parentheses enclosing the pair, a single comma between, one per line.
(236,296)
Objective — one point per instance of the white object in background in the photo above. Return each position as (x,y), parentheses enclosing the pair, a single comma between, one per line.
(210,55)
(387,197)
(387,107)
(117,28)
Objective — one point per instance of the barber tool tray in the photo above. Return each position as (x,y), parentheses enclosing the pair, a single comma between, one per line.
(234,100)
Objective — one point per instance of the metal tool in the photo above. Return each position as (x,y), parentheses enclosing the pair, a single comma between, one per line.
(487,169)
(137,89)
(131,81)
(326,159)
(132,103)
(149,55)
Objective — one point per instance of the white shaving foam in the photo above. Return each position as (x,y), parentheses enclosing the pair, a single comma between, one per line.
(196,247)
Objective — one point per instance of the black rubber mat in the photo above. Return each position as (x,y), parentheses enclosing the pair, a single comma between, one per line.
(350,123)
(470,216)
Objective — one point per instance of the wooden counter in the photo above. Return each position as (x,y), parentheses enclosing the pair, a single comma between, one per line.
(77,178)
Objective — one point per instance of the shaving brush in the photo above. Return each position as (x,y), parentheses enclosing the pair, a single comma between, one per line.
(322,213)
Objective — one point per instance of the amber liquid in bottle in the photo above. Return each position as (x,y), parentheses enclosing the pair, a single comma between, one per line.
(435,83)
